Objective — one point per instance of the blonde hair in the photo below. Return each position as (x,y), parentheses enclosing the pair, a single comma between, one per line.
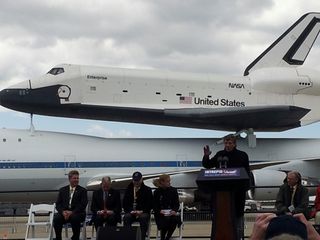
(158,182)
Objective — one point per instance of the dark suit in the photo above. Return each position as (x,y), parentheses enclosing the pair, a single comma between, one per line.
(300,200)
(112,202)
(78,207)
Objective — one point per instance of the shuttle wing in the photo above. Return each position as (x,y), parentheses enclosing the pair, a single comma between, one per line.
(278,118)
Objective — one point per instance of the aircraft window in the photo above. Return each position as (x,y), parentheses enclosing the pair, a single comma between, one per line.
(4,140)
(125,91)
(178,94)
(158,93)
(22,92)
(19,139)
(164,100)
(304,83)
(56,71)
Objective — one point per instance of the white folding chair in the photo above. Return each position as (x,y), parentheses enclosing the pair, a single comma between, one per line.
(180,228)
(181,219)
(40,215)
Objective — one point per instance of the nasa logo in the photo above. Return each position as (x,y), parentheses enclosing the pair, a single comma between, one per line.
(236,85)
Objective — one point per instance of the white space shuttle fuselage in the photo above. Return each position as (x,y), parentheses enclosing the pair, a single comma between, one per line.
(177,99)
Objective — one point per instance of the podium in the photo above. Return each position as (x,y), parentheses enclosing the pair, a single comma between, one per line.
(222,183)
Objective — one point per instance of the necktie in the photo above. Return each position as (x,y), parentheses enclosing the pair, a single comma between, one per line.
(105,197)
(293,191)
(71,195)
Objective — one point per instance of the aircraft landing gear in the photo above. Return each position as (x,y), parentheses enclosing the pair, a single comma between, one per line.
(252,139)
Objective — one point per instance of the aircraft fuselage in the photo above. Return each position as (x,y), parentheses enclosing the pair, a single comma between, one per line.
(40,161)
(174,99)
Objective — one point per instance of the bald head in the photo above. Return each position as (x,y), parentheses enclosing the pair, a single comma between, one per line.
(106,183)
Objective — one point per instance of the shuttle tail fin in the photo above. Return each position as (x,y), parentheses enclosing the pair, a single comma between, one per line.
(292,47)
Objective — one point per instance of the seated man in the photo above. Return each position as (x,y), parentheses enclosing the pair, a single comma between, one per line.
(292,197)
(166,206)
(137,203)
(106,205)
(71,206)
(316,212)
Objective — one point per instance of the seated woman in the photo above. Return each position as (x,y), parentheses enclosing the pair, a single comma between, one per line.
(166,206)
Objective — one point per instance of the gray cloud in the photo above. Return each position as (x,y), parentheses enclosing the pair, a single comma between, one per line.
(202,36)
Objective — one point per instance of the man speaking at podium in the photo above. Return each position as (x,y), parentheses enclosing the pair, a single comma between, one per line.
(230,157)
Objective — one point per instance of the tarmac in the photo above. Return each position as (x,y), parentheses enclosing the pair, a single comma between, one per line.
(15,228)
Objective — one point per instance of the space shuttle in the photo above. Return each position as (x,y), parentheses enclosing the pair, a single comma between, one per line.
(275,93)
(35,164)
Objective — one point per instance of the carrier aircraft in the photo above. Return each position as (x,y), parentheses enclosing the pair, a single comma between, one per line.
(275,93)
(40,161)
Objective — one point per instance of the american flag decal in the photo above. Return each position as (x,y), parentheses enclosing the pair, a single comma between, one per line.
(185,100)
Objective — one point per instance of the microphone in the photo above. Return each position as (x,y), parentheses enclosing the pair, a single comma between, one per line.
(225,161)
(220,160)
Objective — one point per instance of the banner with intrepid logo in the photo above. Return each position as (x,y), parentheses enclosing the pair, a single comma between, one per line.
(228,172)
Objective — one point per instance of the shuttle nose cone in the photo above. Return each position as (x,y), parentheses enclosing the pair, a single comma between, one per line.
(16,99)
(1,93)
(9,97)
(29,100)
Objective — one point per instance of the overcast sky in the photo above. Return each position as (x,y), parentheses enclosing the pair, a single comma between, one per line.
(195,36)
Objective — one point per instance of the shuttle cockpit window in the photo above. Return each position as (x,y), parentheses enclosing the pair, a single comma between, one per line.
(56,71)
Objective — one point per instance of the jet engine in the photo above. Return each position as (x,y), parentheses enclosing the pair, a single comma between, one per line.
(266,184)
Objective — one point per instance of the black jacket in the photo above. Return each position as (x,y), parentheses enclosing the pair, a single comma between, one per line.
(165,198)
(144,199)
(113,202)
(79,200)
(236,159)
